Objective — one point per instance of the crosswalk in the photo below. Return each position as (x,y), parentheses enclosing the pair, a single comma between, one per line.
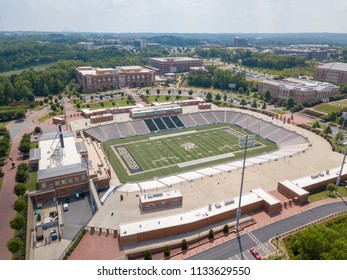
(264,249)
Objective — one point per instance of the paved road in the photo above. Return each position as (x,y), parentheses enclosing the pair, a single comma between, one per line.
(238,248)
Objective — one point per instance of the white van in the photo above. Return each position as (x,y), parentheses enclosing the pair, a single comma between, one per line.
(65,207)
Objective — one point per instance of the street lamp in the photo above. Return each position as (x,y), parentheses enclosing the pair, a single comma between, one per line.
(243,141)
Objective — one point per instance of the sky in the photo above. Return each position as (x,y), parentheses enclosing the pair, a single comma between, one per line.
(175,16)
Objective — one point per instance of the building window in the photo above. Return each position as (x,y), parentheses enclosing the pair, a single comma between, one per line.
(83,177)
(63,181)
(77,179)
(57,183)
(71,180)
(43,185)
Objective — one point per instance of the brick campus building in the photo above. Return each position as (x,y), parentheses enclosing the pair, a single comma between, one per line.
(163,65)
(299,89)
(335,72)
(94,79)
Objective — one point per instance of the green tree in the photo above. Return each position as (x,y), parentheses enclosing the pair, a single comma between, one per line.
(331,187)
(218,97)
(15,245)
(316,124)
(21,176)
(24,147)
(158,91)
(147,91)
(17,223)
(19,205)
(225,97)
(267,95)
(148,255)
(327,130)
(19,189)
(241,90)
(290,103)
(243,102)
(179,91)
(254,104)
(264,106)
(190,92)
(209,97)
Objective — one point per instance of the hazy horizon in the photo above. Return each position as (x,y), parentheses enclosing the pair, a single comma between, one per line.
(180,16)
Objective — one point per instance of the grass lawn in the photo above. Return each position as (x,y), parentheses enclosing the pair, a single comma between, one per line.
(36,68)
(162,98)
(147,158)
(50,115)
(1,180)
(325,194)
(327,108)
(31,184)
(3,124)
(121,102)
(280,112)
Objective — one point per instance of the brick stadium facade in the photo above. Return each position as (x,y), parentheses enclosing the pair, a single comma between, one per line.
(174,64)
(97,79)
(300,90)
(335,72)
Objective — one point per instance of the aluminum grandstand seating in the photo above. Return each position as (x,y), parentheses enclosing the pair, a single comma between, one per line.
(199,119)
(160,124)
(169,123)
(111,131)
(230,116)
(151,125)
(177,121)
(210,117)
(188,121)
(220,116)
(126,129)
(140,127)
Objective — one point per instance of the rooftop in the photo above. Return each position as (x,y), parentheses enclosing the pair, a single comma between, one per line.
(165,59)
(339,66)
(300,84)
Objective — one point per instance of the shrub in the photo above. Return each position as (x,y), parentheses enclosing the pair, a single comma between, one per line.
(184,244)
(148,255)
(167,251)
(22,166)
(19,189)
(226,229)
(211,234)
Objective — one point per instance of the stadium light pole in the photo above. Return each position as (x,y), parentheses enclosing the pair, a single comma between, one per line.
(88,164)
(238,214)
(344,115)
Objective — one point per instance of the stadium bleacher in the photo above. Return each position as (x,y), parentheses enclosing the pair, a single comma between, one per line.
(264,129)
(177,121)
(151,125)
(169,123)
(140,127)
(160,124)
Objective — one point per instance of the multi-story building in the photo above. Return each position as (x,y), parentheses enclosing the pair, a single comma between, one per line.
(96,79)
(334,72)
(309,54)
(241,42)
(300,90)
(164,65)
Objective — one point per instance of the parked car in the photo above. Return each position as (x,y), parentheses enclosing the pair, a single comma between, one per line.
(54,235)
(255,253)
(65,207)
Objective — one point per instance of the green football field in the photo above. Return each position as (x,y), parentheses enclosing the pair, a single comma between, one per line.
(159,154)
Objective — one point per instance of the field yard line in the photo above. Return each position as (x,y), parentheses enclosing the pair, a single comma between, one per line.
(143,159)
(179,143)
(151,157)
(153,154)
(179,154)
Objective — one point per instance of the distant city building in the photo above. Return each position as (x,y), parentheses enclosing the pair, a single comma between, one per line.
(300,90)
(140,43)
(94,79)
(241,42)
(307,53)
(334,72)
(174,64)
(88,45)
